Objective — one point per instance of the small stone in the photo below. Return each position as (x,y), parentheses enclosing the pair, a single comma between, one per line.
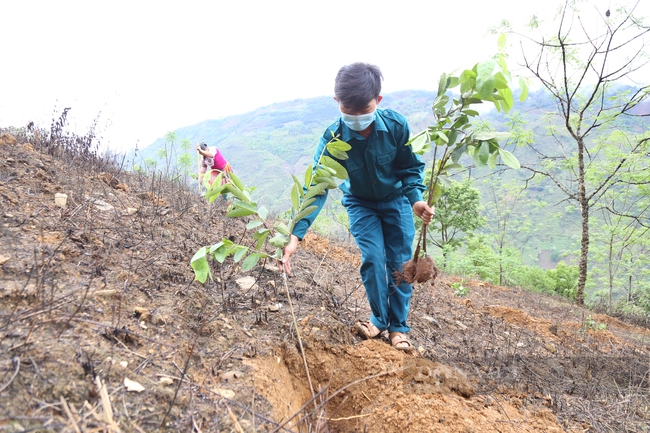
(104,293)
(550,347)
(166,381)
(132,385)
(245,283)
(4,259)
(143,313)
(273,308)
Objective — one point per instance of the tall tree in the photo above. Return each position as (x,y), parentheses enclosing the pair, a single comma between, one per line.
(584,64)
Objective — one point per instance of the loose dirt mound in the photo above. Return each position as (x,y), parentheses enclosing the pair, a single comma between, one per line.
(99,294)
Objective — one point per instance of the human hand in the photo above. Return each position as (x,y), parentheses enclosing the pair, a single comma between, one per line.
(424,211)
(292,246)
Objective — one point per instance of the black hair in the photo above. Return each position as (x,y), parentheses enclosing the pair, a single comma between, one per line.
(357,84)
(203,145)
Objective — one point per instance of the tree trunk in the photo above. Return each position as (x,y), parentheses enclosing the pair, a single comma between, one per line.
(610,272)
(584,212)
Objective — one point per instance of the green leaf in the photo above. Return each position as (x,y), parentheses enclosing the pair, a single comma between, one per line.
(523,85)
(255,223)
(216,246)
(329,181)
(220,253)
(500,81)
(452,166)
(440,101)
(492,160)
(485,88)
(484,71)
(508,99)
(509,159)
(307,202)
(452,136)
(279,240)
(338,149)
(443,137)
(308,175)
(240,252)
(239,212)
(296,183)
(282,228)
(314,190)
(295,196)
(303,213)
(482,154)
(232,188)
(236,181)
(248,206)
(199,254)
(458,152)
(419,142)
(250,261)
(200,266)
(213,193)
(262,212)
(442,85)
(501,42)
(340,171)
(261,239)
(469,112)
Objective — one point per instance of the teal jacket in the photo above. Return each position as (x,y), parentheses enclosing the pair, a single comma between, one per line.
(380,168)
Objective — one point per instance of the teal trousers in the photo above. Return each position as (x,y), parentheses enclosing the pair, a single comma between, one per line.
(384,232)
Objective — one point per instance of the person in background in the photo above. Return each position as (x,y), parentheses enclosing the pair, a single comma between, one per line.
(383,190)
(213,160)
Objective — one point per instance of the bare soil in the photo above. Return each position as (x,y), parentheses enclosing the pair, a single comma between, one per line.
(103,328)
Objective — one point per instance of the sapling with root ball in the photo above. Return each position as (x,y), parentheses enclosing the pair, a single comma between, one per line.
(453,135)
(319,177)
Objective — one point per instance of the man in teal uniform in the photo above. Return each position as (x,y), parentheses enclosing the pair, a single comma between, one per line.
(383,190)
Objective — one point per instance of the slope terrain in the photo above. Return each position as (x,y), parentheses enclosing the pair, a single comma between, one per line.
(102,327)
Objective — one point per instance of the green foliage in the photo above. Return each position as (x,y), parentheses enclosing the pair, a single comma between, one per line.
(318,178)
(457,214)
(459,289)
(590,323)
(566,280)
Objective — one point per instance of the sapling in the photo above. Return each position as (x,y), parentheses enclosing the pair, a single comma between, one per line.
(453,135)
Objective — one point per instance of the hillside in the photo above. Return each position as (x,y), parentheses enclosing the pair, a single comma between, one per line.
(98,295)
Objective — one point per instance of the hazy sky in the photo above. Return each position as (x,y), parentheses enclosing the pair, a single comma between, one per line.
(147,67)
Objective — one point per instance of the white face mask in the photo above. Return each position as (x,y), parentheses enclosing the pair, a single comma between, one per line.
(358,122)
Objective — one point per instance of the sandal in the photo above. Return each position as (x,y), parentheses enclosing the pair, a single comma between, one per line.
(367,330)
(400,341)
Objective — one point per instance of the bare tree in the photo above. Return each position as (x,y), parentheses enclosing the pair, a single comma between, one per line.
(588,65)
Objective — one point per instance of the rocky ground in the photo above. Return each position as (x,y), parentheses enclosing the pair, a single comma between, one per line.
(103,328)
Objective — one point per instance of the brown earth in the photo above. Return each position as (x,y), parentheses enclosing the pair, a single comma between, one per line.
(98,297)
